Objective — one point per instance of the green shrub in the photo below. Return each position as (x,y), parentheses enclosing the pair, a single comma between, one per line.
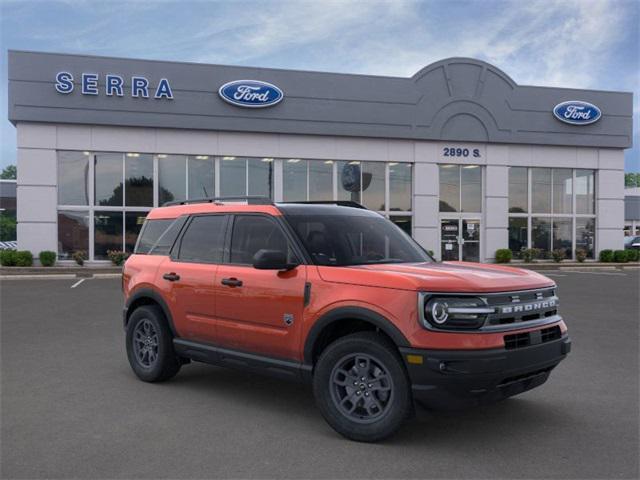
(79,256)
(606,255)
(117,257)
(24,258)
(7,258)
(528,254)
(633,255)
(620,256)
(558,255)
(503,255)
(581,254)
(47,258)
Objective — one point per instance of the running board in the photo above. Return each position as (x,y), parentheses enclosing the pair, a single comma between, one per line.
(223,357)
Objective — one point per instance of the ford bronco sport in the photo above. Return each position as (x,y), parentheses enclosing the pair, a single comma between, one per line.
(338,296)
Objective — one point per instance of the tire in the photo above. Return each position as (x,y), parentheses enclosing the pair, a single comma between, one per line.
(150,345)
(384,400)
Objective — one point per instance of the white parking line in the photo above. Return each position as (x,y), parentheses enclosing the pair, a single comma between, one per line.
(600,273)
(78,283)
(554,274)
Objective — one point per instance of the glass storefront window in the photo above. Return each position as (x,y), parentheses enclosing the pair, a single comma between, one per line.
(320,180)
(541,235)
(585,235)
(449,188)
(541,190)
(132,224)
(403,222)
(518,190)
(73,233)
(233,176)
(108,179)
(171,178)
(517,235)
(471,192)
(107,233)
(260,176)
(562,235)
(585,192)
(562,190)
(73,178)
(400,187)
(294,177)
(349,181)
(201,176)
(373,185)
(138,169)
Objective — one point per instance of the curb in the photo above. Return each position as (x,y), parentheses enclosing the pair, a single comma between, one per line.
(81,272)
(577,266)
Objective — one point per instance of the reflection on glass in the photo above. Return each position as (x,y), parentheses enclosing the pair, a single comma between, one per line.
(373,189)
(294,180)
(320,180)
(449,188)
(562,228)
(171,177)
(108,179)
(73,233)
(585,235)
(138,180)
(449,234)
(517,235)
(349,179)
(260,176)
(108,233)
(400,186)
(541,235)
(562,190)
(541,190)
(518,190)
(471,188)
(403,222)
(132,224)
(201,176)
(73,178)
(585,198)
(233,176)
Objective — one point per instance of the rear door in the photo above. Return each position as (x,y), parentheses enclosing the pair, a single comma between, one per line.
(259,311)
(188,276)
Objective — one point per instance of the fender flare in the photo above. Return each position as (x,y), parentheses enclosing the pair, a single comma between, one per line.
(351,313)
(157,298)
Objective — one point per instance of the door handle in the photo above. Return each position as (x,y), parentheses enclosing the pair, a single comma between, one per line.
(172,277)
(231,282)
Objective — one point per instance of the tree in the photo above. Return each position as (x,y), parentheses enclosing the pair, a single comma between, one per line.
(632,180)
(9,173)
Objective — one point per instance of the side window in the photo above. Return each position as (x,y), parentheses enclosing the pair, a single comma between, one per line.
(252,233)
(163,245)
(151,232)
(203,240)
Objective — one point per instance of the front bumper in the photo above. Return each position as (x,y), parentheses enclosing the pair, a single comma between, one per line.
(460,378)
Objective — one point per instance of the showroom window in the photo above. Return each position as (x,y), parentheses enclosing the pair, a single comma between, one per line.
(108,212)
(551,209)
(460,188)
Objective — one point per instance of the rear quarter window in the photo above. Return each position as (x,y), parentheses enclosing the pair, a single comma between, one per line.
(157,236)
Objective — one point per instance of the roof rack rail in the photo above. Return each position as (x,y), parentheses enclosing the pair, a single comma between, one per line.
(250,199)
(340,203)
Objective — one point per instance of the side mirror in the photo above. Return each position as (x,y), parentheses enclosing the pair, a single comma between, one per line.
(272,260)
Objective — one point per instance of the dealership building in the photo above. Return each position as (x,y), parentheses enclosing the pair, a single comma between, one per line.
(458,155)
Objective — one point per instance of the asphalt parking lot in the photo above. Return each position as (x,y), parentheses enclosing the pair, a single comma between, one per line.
(71,407)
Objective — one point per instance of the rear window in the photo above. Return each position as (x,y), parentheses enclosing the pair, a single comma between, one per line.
(157,236)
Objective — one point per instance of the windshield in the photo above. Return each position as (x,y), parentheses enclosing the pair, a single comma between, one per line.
(342,240)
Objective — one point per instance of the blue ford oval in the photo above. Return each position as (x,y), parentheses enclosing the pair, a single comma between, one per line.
(250,93)
(577,112)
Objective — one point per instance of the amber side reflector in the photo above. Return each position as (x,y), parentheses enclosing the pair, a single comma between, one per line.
(415,359)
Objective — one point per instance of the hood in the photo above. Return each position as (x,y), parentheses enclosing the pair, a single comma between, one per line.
(464,277)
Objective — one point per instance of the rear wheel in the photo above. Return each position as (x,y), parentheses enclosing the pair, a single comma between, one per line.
(150,345)
(361,387)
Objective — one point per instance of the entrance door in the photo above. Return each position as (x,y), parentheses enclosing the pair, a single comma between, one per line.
(460,239)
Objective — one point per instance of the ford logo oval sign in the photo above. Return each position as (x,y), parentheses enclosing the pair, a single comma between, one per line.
(250,93)
(577,112)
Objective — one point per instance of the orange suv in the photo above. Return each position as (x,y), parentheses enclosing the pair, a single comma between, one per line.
(337,296)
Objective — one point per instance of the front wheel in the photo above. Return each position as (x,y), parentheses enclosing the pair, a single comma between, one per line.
(150,345)
(361,387)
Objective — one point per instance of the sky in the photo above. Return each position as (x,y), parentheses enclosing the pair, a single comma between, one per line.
(566,43)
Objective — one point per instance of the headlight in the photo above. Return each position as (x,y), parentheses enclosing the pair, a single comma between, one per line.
(455,312)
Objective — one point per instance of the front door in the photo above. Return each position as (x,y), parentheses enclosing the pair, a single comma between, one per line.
(460,239)
(259,310)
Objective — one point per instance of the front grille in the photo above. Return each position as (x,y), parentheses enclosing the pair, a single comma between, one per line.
(516,307)
(521,340)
